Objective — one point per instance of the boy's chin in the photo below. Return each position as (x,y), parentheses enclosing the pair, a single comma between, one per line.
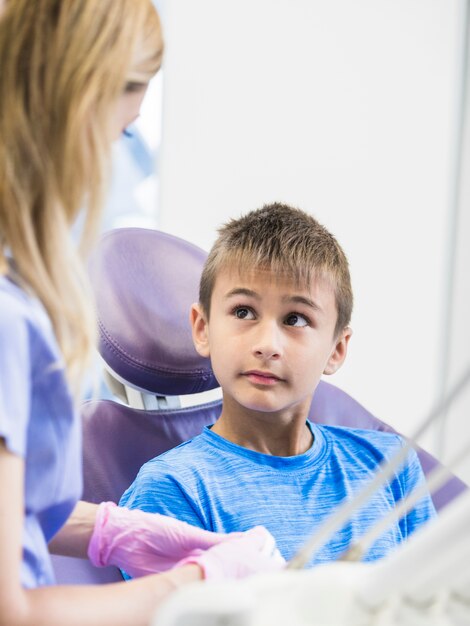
(275,410)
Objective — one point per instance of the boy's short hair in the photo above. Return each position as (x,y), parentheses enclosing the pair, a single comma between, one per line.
(284,240)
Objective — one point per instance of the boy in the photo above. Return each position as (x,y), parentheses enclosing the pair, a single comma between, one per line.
(273,316)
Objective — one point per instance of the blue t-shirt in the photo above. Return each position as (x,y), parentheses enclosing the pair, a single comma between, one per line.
(38,423)
(220,486)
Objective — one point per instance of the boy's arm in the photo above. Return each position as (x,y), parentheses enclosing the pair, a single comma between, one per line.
(157,489)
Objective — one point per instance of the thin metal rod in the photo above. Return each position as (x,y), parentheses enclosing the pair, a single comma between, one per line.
(460,169)
(413,568)
(434,480)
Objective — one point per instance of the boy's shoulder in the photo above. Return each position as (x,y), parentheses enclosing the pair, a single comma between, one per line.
(184,449)
(183,457)
(185,468)
(379,443)
(360,451)
(370,434)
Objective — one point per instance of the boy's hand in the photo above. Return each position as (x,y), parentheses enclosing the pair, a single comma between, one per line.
(145,543)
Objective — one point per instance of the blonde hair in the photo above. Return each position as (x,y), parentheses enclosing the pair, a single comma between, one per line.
(287,242)
(64,64)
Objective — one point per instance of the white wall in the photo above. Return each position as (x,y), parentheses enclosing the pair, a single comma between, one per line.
(345,108)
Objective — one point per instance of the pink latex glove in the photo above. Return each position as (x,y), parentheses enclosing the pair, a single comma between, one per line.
(252,552)
(145,543)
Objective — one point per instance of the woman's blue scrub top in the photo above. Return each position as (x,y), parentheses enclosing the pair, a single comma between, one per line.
(38,423)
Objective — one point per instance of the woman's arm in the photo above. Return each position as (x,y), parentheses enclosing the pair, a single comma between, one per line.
(74,537)
(118,604)
(140,542)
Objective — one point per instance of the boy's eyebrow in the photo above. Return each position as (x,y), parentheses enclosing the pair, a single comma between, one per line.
(303,300)
(243,291)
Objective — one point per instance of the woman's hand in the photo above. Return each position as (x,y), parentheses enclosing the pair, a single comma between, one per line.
(144,543)
(251,552)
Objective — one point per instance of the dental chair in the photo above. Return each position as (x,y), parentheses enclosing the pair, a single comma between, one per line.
(163,392)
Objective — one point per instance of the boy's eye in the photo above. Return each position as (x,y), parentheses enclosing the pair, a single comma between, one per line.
(243,313)
(295,319)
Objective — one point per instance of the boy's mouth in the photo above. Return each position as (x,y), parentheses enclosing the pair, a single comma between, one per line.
(261,378)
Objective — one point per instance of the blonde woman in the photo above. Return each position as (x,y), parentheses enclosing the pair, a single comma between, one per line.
(73,74)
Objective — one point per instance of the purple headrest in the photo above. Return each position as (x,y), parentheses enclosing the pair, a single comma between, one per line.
(143,304)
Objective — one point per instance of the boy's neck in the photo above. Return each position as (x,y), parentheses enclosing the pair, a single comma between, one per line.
(282,434)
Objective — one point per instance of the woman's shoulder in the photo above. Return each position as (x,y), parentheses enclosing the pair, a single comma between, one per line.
(13,297)
(20,310)
(25,328)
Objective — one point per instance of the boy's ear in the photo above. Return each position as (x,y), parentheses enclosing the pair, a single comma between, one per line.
(339,351)
(200,330)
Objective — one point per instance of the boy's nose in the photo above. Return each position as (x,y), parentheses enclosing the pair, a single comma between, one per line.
(268,342)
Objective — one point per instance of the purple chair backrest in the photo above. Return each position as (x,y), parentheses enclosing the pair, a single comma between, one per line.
(144,283)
